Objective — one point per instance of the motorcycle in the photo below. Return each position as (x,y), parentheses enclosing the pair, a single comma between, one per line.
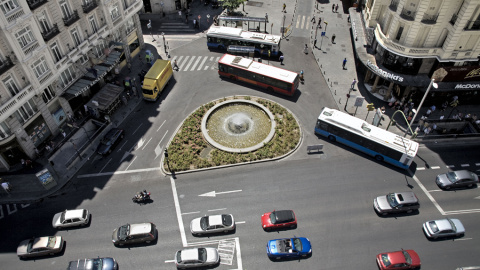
(141,196)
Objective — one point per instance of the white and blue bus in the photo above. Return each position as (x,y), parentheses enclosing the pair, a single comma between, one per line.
(220,37)
(356,133)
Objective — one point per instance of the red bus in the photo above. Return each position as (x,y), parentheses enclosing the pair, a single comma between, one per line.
(272,78)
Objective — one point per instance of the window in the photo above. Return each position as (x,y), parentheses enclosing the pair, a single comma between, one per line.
(4,130)
(67,76)
(48,94)
(26,111)
(399,33)
(65,9)
(43,21)
(114,13)
(56,52)
(129,25)
(40,67)
(82,59)
(8,5)
(11,85)
(93,23)
(25,37)
(76,36)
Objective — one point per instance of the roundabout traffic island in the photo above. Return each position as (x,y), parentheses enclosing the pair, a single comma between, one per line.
(232,130)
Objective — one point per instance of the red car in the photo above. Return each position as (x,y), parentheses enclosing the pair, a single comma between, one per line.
(403,259)
(279,219)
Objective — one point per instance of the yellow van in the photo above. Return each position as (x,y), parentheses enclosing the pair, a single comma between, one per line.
(156,79)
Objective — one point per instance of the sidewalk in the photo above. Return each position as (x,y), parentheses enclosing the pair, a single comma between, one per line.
(26,187)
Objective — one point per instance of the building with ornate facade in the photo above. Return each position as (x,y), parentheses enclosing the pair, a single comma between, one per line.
(401,43)
(54,56)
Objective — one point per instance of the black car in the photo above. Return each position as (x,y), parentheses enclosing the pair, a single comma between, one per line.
(110,140)
(93,264)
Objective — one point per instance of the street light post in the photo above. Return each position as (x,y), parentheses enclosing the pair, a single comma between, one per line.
(432,82)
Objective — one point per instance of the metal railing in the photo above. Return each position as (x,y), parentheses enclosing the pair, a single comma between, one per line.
(407,14)
(453,19)
(53,31)
(393,5)
(71,19)
(89,7)
(33,4)
(429,18)
(5,65)
(472,25)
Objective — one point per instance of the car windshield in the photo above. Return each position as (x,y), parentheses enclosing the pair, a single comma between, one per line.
(106,141)
(452,177)
(30,244)
(297,244)
(452,224)
(204,223)
(179,256)
(408,259)
(392,200)
(273,217)
(95,264)
(62,217)
(202,254)
(51,242)
(123,232)
(385,260)
(433,226)
(227,220)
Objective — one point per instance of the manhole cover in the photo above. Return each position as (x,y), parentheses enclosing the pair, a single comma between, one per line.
(254,3)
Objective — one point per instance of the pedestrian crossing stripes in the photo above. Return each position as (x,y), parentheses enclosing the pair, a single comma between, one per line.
(196,63)
(303,22)
(226,250)
(11,209)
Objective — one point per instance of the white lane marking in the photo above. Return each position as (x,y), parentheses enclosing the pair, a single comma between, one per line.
(105,166)
(450,166)
(196,63)
(118,172)
(477,164)
(203,62)
(298,22)
(146,144)
(462,239)
(219,209)
(216,60)
(435,167)
(303,22)
(239,222)
(239,254)
(126,169)
(435,190)
(456,212)
(170,261)
(25,205)
(465,165)
(161,125)
(428,194)
(203,243)
(11,211)
(122,146)
(213,193)
(211,60)
(189,63)
(179,213)
(420,168)
(189,213)
(137,128)
(163,137)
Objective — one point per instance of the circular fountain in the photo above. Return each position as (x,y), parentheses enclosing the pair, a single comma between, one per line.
(238,126)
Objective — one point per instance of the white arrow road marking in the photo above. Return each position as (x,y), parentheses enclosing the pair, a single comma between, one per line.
(158,150)
(11,211)
(146,144)
(170,261)
(213,193)
(140,143)
(219,209)
(477,197)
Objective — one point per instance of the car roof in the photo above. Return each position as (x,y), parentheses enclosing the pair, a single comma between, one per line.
(396,257)
(406,197)
(463,174)
(190,254)
(140,228)
(40,242)
(77,213)
(284,215)
(443,224)
(215,220)
(112,132)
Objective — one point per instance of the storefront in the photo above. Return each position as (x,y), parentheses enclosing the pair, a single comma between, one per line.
(38,130)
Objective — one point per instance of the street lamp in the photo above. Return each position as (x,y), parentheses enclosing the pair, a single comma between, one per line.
(432,82)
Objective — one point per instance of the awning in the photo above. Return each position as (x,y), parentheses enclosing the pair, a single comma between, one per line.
(89,79)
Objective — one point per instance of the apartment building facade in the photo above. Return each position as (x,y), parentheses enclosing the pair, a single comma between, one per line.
(401,43)
(54,55)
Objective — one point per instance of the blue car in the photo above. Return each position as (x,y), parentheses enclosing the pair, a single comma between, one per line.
(289,248)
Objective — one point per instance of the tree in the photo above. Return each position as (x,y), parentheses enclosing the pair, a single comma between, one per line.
(231,5)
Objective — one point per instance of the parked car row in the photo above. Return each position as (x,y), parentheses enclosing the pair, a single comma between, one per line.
(407,202)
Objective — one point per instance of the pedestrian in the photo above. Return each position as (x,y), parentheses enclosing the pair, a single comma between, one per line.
(29,163)
(266,17)
(428,112)
(336,8)
(64,134)
(433,108)
(348,19)
(281,59)
(284,8)
(313,18)
(305,50)
(23,162)
(175,66)
(353,83)
(129,67)
(194,23)
(333,8)
(320,22)
(6,186)
(315,43)
(434,127)
(70,117)
(333,38)
(474,117)
(124,99)
(344,63)
(198,25)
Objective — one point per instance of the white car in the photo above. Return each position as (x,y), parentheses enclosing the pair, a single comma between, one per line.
(212,224)
(196,257)
(70,218)
(47,245)
(443,228)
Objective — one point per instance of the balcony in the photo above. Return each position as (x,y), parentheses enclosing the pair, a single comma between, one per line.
(393,5)
(89,7)
(5,65)
(453,19)
(13,15)
(71,19)
(429,19)
(408,14)
(472,25)
(34,4)
(51,33)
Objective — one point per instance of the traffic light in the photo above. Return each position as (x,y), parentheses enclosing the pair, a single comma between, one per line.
(370,107)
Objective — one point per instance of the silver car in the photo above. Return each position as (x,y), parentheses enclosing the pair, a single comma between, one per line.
(396,202)
(455,179)
(443,228)
(40,246)
(212,224)
(196,257)
(70,218)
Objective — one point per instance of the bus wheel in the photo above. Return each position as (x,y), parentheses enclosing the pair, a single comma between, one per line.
(379,158)
(233,78)
(332,138)
(270,89)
